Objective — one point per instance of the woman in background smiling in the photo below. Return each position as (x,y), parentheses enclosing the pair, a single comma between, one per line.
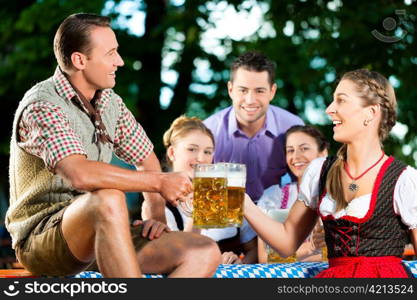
(303,143)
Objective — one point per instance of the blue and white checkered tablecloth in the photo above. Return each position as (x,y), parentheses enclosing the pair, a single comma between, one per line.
(289,270)
(412,266)
(293,270)
(88,274)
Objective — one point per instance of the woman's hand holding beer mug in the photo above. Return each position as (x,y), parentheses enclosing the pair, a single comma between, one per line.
(314,249)
(318,244)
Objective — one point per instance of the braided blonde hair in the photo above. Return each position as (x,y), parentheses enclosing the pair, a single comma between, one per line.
(181,127)
(373,89)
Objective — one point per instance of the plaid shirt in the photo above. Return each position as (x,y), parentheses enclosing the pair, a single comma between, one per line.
(45,131)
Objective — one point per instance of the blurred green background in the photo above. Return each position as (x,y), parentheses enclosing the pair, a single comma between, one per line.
(177,54)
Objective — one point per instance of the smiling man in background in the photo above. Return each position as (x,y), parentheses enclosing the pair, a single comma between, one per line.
(251,131)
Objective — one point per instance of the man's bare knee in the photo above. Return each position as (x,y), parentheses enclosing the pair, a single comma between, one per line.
(205,246)
(191,253)
(202,257)
(94,212)
(202,249)
(108,205)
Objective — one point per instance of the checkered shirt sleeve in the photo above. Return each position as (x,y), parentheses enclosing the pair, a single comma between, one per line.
(131,143)
(44,131)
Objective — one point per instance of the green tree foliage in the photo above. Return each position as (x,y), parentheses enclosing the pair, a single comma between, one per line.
(312,42)
(317,41)
(26,57)
(344,41)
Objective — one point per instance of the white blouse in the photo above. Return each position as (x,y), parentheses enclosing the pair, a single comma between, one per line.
(273,196)
(405,199)
(217,234)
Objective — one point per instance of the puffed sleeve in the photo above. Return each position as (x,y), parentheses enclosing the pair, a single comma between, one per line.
(405,200)
(309,187)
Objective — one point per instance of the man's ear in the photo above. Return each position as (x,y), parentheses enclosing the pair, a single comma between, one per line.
(229,88)
(78,60)
(273,91)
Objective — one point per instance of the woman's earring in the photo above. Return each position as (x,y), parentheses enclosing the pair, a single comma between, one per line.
(366,122)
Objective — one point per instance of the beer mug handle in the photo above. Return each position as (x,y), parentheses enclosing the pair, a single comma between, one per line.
(186,205)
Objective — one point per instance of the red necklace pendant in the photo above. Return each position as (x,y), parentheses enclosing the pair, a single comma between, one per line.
(353,187)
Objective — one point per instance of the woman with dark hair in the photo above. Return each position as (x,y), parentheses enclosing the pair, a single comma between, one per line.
(303,143)
(365,198)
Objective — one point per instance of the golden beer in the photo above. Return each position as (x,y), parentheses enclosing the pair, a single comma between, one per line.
(275,258)
(324,253)
(210,197)
(319,229)
(236,181)
(279,215)
(235,198)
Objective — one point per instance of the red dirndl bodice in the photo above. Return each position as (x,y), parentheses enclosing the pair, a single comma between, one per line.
(368,247)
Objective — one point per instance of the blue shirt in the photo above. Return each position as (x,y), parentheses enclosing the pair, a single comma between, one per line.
(263,154)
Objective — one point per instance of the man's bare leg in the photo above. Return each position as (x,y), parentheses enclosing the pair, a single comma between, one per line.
(180,254)
(97,225)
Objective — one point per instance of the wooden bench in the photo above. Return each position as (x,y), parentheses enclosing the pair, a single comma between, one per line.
(16,273)
(409,254)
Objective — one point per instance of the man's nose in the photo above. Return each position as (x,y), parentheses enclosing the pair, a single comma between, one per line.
(250,97)
(119,61)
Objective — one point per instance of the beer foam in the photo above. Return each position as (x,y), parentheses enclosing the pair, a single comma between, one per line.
(211,174)
(236,180)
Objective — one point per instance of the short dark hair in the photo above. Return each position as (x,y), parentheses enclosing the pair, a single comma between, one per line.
(73,35)
(254,61)
(317,135)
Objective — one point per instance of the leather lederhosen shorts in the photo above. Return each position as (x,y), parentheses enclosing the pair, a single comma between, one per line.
(45,251)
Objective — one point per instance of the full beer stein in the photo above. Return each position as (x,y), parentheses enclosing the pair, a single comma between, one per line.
(236,181)
(210,196)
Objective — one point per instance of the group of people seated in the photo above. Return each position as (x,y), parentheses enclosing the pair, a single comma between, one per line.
(68,210)
(189,142)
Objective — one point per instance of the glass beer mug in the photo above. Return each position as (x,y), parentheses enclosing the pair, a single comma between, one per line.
(279,215)
(210,196)
(319,228)
(236,181)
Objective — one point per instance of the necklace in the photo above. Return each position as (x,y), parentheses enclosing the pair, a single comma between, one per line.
(353,186)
